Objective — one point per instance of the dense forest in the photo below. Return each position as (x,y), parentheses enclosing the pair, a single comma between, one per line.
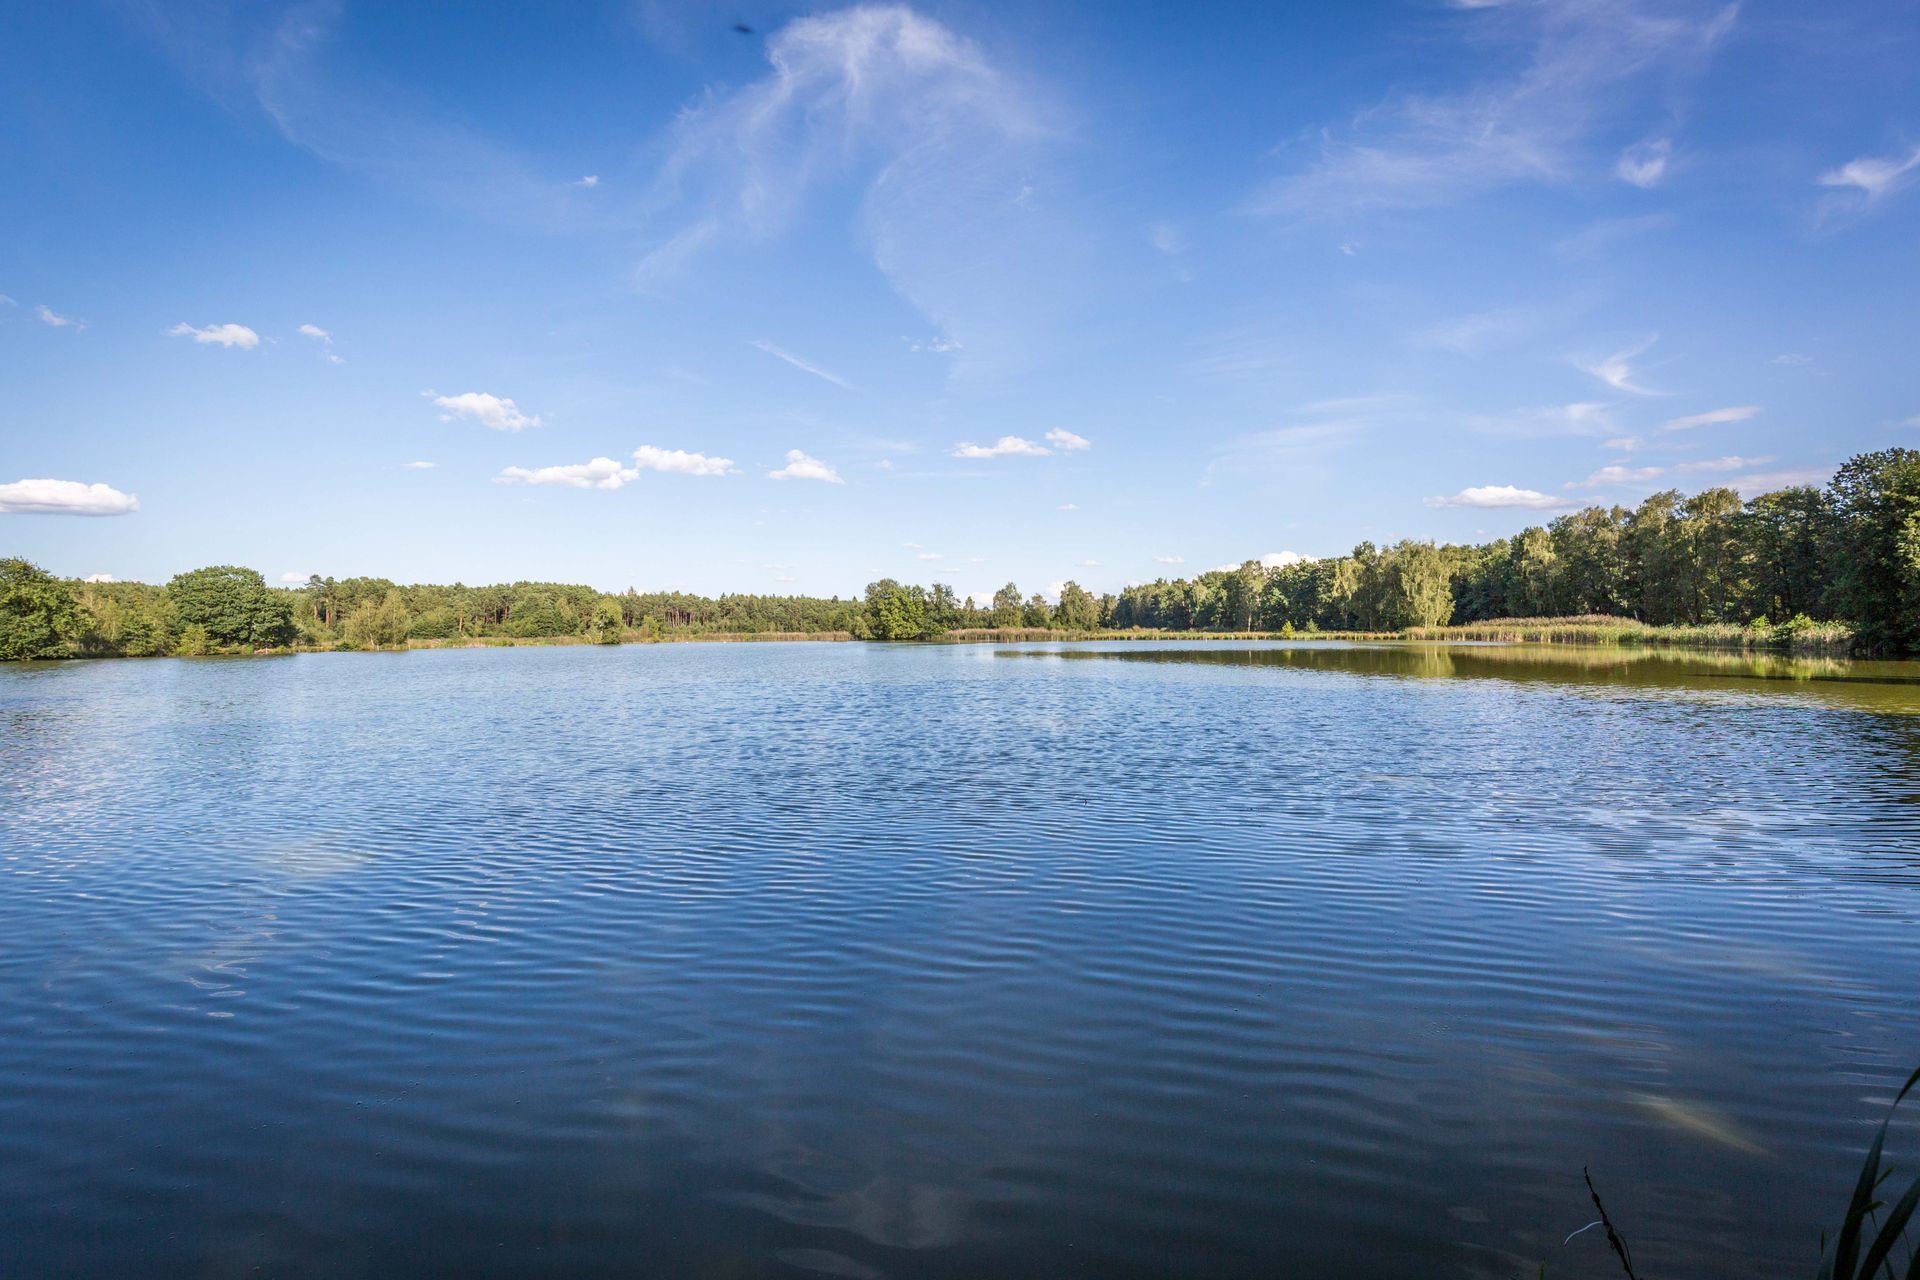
(1849,552)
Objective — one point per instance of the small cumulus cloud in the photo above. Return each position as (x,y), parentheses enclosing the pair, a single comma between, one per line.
(678,461)
(99,577)
(1766,481)
(51,317)
(325,340)
(1067,441)
(1170,559)
(1282,559)
(589,181)
(1644,164)
(64,498)
(802,467)
(1713,417)
(1004,447)
(1732,462)
(292,576)
(1496,496)
(219,335)
(600,473)
(1616,474)
(418,466)
(498,413)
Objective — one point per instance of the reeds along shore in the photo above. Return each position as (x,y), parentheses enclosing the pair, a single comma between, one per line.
(1821,638)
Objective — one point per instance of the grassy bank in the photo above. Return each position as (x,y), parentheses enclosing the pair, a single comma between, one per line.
(1825,638)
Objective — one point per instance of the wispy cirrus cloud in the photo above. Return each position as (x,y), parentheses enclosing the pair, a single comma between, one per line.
(1644,164)
(64,498)
(805,366)
(1866,180)
(48,316)
(1732,462)
(1579,67)
(942,146)
(1617,370)
(1711,418)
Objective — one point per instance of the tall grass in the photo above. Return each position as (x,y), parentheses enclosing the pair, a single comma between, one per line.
(1855,1255)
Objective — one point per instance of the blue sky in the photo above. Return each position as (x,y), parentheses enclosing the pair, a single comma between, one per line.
(969,292)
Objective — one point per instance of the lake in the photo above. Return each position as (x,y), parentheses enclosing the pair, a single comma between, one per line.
(1115,960)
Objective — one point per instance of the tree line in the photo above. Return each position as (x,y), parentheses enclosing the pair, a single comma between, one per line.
(226,609)
(1846,552)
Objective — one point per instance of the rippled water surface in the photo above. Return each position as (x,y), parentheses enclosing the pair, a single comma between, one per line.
(859,960)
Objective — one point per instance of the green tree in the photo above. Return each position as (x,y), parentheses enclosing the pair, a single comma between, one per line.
(1078,611)
(1876,499)
(232,605)
(38,615)
(1006,606)
(1037,613)
(378,625)
(1420,585)
(895,612)
(608,626)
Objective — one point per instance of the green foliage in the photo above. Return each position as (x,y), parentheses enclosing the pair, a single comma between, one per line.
(1876,500)
(895,612)
(1078,610)
(608,626)
(193,641)
(381,625)
(1865,1244)
(233,606)
(38,614)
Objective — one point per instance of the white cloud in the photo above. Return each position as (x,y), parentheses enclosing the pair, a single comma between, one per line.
(939,344)
(1765,481)
(805,366)
(600,473)
(1581,418)
(929,555)
(1623,442)
(1644,164)
(488,410)
(64,498)
(1792,358)
(1281,559)
(1067,441)
(1713,417)
(1732,462)
(801,467)
(98,577)
(5,301)
(293,576)
(1089,564)
(1069,506)
(49,316)
(224,335)
(1616,474)
(961,197)
(1616,370)
(1004,447)
(325,340)
(590,181)
(1499,496)
(650,458)
(1874,176)
(1170,559)
(1581,65)
(418,466)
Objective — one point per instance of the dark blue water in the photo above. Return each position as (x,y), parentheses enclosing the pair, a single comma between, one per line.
(851,960)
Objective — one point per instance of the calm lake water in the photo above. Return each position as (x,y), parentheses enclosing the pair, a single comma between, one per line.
(861,960)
